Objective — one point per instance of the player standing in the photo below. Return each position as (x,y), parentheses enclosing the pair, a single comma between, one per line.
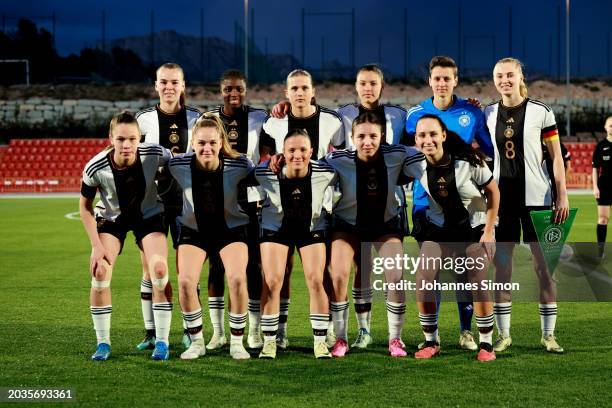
(168,124)
(125,177)
(520,124)
(465,120)
(243,125)
(324,128)
(602,180)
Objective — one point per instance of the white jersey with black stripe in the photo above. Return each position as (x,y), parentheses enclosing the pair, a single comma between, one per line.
(539,126)
(98,173)
(469,180)
(148,122)
(234,171)
(398,159)
(395,122)
(330,130)
(321,178)
(256,119)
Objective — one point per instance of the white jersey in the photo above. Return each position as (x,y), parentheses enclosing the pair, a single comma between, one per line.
(100,173)
(397,160)
(455,190)
(233,172)
(394,121)
(518,134)
(149,123)
(251,128)
(324,128)
(316,184)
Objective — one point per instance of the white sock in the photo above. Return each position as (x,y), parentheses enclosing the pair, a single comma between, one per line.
(502,313)
(485,328)
(283,315)
(101,316)
(146,304)
(548,318)
(339,311)
(319,324)
(162,313)
(193,320)
(429,321)
(362,299)
(269,326)
(395,318)
(254,316)
(237,325)
(216,309)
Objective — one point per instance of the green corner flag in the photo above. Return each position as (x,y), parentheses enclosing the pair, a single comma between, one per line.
(551,236)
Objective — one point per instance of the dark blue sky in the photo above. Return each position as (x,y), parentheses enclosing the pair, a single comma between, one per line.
(432,27)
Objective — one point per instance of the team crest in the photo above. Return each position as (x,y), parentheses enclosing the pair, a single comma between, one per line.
(509,132)
(232,135)
(174,138)
(464,120)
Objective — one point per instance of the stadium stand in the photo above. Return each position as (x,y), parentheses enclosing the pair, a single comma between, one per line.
(55,165)
(45,165)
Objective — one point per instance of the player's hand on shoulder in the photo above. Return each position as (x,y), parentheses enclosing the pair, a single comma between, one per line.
(280,110)
(276,162)
(474,102)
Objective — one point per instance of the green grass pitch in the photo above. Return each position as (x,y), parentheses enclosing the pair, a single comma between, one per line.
(46,338)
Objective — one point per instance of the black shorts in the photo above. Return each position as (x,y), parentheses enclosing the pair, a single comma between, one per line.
(391,227)
(119,229)
(467,234)
(212,242)
(512,220)
(291,238)
(605,193)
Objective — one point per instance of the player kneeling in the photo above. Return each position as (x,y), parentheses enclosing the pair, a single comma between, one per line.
(212,222)
(125,177)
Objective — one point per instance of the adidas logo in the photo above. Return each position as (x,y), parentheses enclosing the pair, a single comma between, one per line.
(174,126)
(441,180)
(234,123)
(511,120)
(296,191)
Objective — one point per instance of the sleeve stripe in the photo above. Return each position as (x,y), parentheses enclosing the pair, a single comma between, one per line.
(94,168)
(486,183)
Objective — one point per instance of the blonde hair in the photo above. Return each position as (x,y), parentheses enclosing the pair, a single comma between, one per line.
(522,87)
(208,120)
(174,65)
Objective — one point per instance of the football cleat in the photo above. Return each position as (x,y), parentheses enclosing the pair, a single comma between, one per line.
(321,350)
(161,351)
(255,341)
(363,339)
(195,350)
(340,348)
(330,337)
(282,342)
(502,343)
(186,339)
(486,352)
(422,344)
(429,350)
(238,352)
(148,342)
(550,342)
(396,348)
(268,350)
(466,341)
(217,341)
(102,352)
